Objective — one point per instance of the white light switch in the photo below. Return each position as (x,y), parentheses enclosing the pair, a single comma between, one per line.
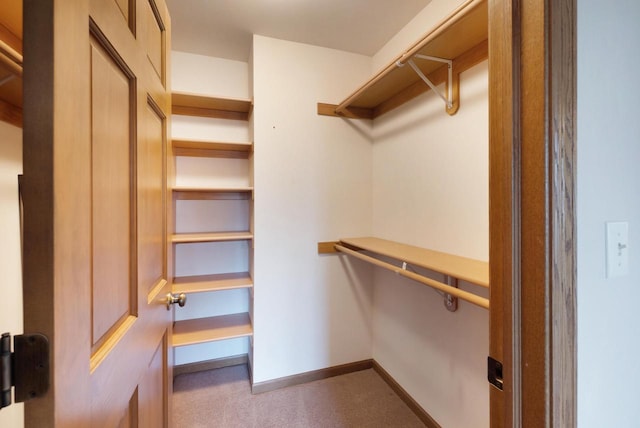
(617,249)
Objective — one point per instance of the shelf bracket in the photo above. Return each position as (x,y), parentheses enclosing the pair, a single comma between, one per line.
(450,90)
(450,302)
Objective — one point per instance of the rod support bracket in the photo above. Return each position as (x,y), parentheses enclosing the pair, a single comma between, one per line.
(451,95)
(450,302)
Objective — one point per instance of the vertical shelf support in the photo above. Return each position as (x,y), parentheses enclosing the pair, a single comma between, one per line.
(452,91)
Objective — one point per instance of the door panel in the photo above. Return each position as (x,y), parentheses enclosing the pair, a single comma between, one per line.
(95,210)
(111,140)
(154,37)
(151,410)
(151,202)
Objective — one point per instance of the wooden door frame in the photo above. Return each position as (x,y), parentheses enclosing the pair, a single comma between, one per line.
(532,72)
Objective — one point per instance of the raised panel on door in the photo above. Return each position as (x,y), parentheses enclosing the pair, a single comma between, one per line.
(154,37)
(127,8)
(113,210)
(151,198)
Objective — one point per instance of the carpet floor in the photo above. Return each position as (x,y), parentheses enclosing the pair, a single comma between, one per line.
(222,398)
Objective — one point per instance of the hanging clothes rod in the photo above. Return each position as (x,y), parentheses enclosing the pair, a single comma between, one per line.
(11,58)
(461,294)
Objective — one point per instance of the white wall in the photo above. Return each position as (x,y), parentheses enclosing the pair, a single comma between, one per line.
(312,183)
(223,78)
(608,178)
(209,76)
(430,189)
(10,261)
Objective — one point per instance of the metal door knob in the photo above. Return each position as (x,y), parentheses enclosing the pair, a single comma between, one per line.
(172,299)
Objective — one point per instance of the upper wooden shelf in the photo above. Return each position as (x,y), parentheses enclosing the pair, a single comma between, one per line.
(211,149)
(461,37)
(202,330)
(203,106)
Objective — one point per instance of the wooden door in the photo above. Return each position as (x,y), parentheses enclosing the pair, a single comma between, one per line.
(96,111)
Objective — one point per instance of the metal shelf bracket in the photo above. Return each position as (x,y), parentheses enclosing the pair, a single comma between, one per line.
(450,91)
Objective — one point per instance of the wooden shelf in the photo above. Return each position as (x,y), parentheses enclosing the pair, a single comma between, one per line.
(185,238)
(470,270)
(218,282)
(218,193)
(211,149)
(455,267)
(202,106)
(461,37)
(202,330)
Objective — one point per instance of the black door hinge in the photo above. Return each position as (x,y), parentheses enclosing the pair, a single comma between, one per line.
(26,368)
(494,372)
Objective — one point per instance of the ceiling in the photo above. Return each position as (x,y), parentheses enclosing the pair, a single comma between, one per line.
(224,28)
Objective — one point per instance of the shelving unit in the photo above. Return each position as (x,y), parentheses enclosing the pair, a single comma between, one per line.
(220,327)
(376,250)
(461,39)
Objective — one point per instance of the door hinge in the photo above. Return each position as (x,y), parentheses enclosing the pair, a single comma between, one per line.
(494,372)
(26,368)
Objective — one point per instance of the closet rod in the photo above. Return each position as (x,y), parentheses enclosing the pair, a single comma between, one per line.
(455,16)
(461,294)
(10,58)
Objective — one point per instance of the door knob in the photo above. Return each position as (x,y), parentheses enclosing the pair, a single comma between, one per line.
(172,299)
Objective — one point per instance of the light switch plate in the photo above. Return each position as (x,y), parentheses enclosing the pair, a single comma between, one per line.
(617,249)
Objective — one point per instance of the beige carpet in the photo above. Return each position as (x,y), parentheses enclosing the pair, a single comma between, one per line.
(222,398)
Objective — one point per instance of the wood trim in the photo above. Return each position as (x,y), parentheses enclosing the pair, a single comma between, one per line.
(38,199)
(348,113)
(535,284)
(283,382)
(562,135)
(532,180)
(201,366)
(10,114)
(327,247)
(416,408)
(503,208)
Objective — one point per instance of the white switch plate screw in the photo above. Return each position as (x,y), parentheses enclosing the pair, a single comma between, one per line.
(617,249)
